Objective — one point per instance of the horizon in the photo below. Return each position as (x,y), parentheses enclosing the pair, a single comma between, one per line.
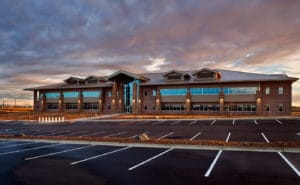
(45,42)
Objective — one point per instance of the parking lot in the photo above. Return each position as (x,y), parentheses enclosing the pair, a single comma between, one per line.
(57,163)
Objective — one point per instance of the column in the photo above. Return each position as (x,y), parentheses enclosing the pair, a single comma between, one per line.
(221,102)
(188,102)
(121,97)
(134,99)
(114,97)
(101,102)
(158,101)
(258,103)
(61,102)
(35,100)
(44,102)
(80,101)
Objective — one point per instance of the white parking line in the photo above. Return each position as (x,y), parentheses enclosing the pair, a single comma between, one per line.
(166,135)
(175,122)
(289,163)
(192,138)
(101,155)
(255,122)
(93,134)
(212,165)
(298,133)
(29,149)
(279,122)
(22,144)
(228,136)
(55,133)
(115,134)
(192,123)
(150,159)
(284,158)
(213,122)
(55,153)
(233,122)
(266,139)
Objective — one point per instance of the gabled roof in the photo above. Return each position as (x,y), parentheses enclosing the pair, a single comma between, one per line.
(204,69)
(100,78)
(126,73)
(175,71)
(73,78)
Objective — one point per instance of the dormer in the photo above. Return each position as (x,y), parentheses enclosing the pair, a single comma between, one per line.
(175,75)
(93,80)
(73,80)
(207,74)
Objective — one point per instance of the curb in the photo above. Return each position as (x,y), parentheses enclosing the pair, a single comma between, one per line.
(175,146)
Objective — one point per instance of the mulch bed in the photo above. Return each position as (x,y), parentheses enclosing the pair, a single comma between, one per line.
(161,141)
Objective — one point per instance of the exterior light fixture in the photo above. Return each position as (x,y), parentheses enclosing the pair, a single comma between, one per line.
(113,100)
(221,100)
(188,100)
(120,101)
(157,100)
(139,101)
(133,100)
(78,101)
(258,100)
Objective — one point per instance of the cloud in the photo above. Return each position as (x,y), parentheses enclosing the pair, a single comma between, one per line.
(45,41)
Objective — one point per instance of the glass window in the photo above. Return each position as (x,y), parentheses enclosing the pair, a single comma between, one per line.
(109,93)
(268,90)
(205,91)
(154,93)
(280,108)
(172,107)
(53,95)
(91,93)
(173,92)
(90,106)
(108,107)
(52,106)
(280,90)
(153,107)
(73,94)
(267,108)
(71,106)
(240,90)
(145,93)
(145,107)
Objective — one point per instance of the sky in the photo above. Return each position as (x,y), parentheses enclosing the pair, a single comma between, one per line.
(44,41)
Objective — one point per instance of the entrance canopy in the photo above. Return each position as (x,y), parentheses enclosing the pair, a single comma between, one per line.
(125,77)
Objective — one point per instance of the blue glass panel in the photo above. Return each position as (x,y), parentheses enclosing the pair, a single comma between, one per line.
(91,93)
(205,91)
(240,90)
(73,94)
(173,92)
(53,95)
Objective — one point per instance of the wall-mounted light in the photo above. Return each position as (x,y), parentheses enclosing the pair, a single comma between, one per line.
(133,100)
(113,100)
(59,101)
(100,101)
(78,101)
(139,101)
(120,101)
(258,100)
(188,100)
(221,100)
(157,100)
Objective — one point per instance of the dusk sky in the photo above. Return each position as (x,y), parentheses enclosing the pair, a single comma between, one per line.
(46,41)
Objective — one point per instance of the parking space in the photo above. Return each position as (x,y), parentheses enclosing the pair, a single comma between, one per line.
(147,165)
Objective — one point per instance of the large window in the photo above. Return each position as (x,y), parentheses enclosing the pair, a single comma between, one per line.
(90,106)
(205,91)
(267,90)
(205,107)
(280,90)
(71,106)
(173,92)
(71,94)
(240,108)
(172,107)
(52,95)
(240,90)
(52,106)
(91,93)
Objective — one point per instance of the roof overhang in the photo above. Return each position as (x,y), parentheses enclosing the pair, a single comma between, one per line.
(125,76)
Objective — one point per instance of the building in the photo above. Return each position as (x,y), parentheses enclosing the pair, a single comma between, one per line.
(203,92)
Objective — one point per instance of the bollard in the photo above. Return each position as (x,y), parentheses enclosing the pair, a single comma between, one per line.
(59,119)
(63,119)
(39,119)
(55,119)
(46,120)
(42,119)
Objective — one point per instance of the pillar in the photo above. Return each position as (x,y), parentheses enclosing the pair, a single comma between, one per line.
(61,102)
(121,98)
(158,101)
(80,101)
(44,102)
(135,99)
(258,103)
(34,100)
(114,98)
(188,102)
(221,102)
(101,102)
